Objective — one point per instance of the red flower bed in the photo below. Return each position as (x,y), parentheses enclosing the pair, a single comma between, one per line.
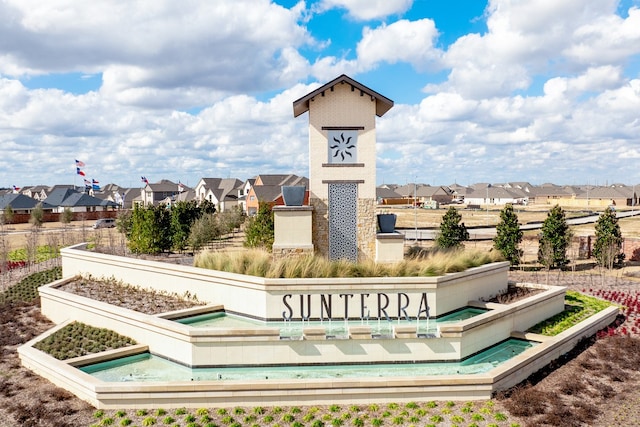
(630,308)
(13,264)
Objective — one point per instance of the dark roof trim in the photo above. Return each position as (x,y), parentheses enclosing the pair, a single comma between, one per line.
(383,104)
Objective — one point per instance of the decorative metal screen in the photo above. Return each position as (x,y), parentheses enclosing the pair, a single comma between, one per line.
(343,221)
(343,146)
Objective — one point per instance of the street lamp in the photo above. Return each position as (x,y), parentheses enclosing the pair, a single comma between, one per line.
(415,208)
(487,201)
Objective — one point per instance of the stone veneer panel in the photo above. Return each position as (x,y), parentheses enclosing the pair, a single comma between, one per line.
(367,230)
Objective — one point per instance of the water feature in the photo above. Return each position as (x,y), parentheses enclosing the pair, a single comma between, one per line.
(148,368)
(334,328)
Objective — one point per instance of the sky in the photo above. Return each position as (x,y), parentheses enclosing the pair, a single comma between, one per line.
(484,91)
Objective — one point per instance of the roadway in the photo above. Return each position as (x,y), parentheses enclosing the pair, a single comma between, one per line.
(487,233)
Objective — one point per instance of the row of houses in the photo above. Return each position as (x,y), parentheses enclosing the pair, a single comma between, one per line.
(224,193)
(227,193)
(517,193)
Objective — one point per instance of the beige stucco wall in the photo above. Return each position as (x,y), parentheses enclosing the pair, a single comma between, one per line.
(292,226)
(263,298)
(342,107)
(195,346)
(389,247)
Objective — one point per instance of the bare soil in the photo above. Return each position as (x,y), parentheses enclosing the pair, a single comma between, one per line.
(596,385)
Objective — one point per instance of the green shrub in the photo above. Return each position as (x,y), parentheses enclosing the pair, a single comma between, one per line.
(577,308)
(78,339)
(26,290)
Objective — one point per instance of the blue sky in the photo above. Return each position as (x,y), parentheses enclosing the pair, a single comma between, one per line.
(495,91)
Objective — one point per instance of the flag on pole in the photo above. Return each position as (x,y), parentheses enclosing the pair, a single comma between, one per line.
(93,181)
(79,172)
(16,189)
(87,182)
(79,163)
(95,187)
(145,180)
(180,187)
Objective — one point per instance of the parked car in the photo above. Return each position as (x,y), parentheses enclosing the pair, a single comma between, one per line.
(105,223)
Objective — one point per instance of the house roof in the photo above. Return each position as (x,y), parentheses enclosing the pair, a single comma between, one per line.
(223,188)
(279,180)
(386,193)
(267,193)
(65,197)
(383,104)
(20,202)
(164,185)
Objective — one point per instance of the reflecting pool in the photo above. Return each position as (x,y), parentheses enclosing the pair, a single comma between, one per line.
(146,367)
(335,328)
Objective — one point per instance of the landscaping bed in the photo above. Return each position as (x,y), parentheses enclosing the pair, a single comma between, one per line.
(127,296)
(595,385)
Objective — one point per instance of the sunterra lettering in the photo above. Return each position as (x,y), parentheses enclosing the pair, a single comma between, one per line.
(381,301)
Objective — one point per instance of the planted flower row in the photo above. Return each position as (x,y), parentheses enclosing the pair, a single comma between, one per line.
(629,302)
(11,265)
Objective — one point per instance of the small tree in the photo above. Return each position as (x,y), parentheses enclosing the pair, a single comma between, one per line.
(608,244)
(66,217)
(37,216)
(260,228)
(508,235)
(150,230)
(183,214)
(554,239)
(452,232)
(231,219)
(7,214)
(203,231)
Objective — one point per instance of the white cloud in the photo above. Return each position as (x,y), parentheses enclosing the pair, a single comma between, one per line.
(365,10)
(531,37)
(145,46)
(403,41)
(609,39)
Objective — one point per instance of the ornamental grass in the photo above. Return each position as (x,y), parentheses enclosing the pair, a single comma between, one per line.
(260,263)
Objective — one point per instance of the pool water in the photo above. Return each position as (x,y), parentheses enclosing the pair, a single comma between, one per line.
(148,368)
(335,328)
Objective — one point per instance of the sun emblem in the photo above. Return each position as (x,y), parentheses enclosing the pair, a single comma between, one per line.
(342,147)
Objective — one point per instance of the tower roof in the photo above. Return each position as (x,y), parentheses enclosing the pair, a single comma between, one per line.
(383,104)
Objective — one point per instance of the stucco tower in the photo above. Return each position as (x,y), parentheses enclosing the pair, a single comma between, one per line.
(342,166)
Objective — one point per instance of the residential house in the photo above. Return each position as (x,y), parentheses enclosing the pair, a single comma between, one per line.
(155,194)
(487,194)
(21,204)
(63,198)
(37,192)
(186,195)
(603,196)
(549,194)
(243,193)
(222,192)
(385,195)
(121,196)
(267,188)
